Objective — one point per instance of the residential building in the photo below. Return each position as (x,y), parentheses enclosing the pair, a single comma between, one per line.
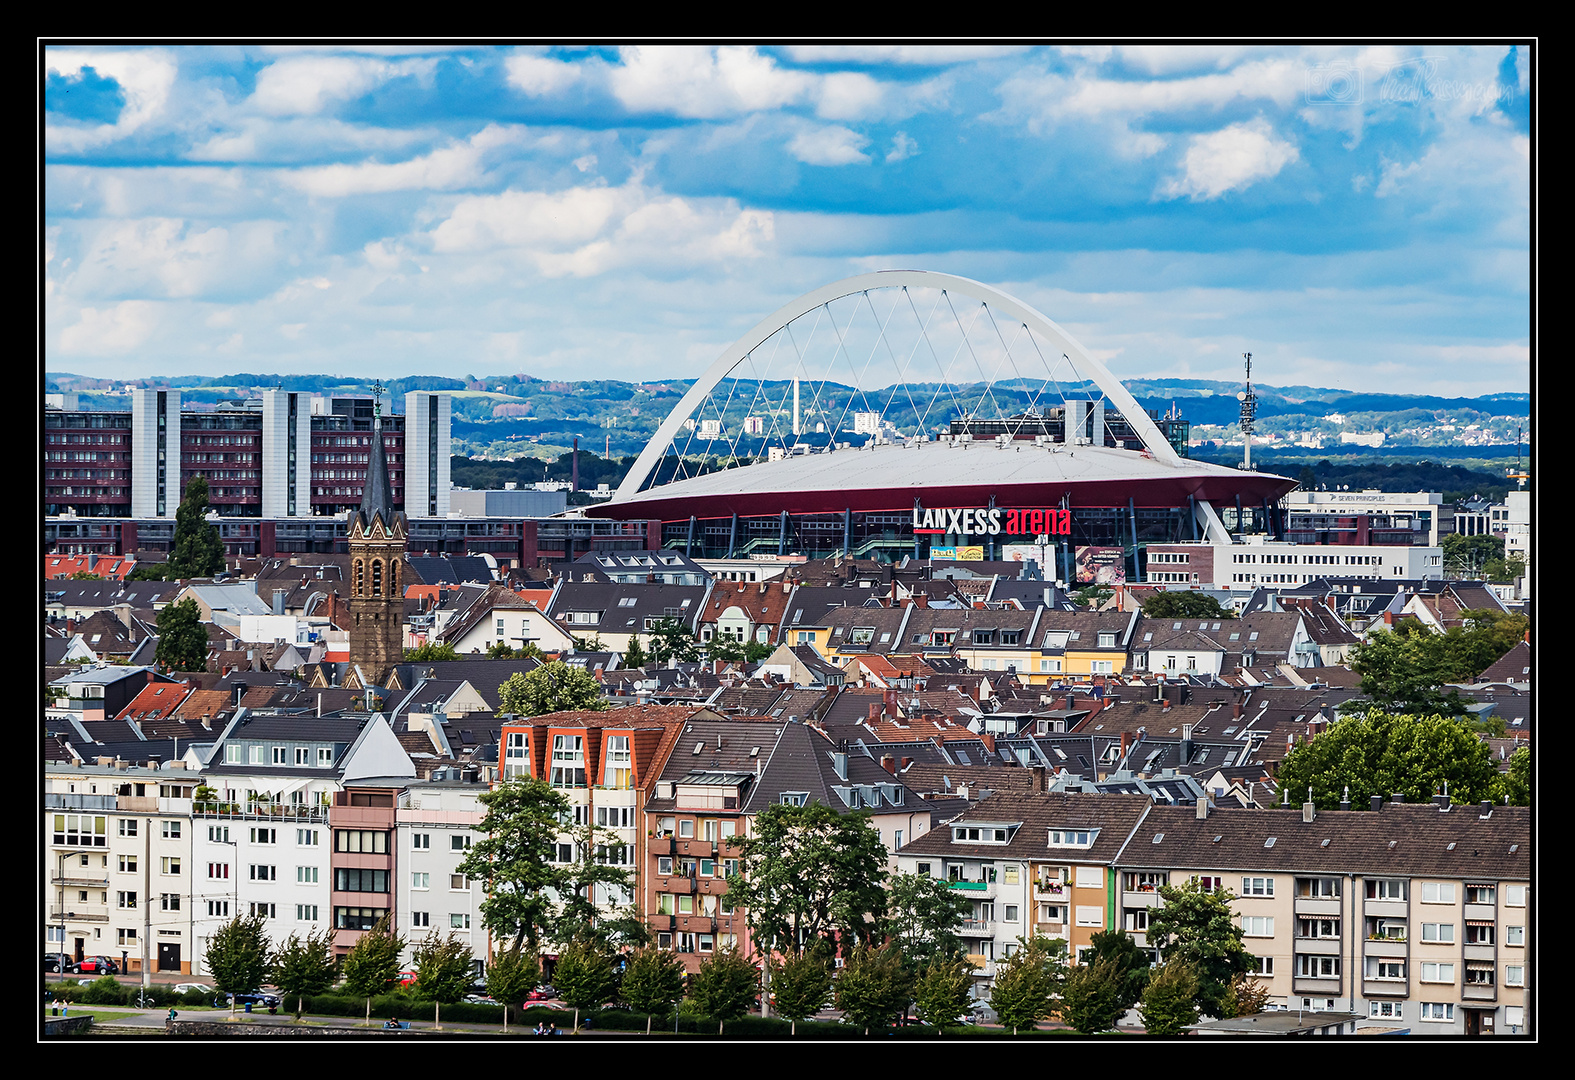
(436,822)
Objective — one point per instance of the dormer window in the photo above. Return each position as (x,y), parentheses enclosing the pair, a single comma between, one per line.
(983,834)
(795,798)
(1078,838)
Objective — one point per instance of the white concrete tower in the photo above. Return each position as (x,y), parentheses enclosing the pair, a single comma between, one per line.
(155,453)
(427,449)
(286,454)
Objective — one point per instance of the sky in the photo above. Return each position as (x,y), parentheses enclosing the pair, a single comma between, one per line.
(1355,216)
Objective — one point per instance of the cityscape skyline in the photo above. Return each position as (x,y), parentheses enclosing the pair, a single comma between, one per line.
(1354,216)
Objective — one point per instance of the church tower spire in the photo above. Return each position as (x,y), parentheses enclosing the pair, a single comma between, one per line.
(378,532)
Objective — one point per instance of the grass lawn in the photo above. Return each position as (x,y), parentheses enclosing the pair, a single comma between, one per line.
(99,1013)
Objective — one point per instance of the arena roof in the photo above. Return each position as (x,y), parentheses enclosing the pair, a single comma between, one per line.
(943,474)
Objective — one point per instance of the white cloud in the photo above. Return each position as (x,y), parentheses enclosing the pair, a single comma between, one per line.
(1230,159)
(300,85)
(144,77)
(588,230)
(849,95)
(116,329)
(704,82)
(539,76)
(169,257)
(833,145)
(928,55)
(1048,99)
(457,165)
(902,148)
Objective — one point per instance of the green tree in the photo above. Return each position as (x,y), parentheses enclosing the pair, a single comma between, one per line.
(183,640)
(943,992)
(510,977)
(430,653)
(806,871)
(1197,927)
(725,987)
(553,687)
(1181,604)
(1403,671)
(147,571)
(1246,996)
(443,969)
(723,649)
(305,966)
(1470,554)
(800,985)
(598,869)
(372,965)
(590,644)
(1381,754)
(1093,999)
(633,654)
(1092,596)
(1132,962)
(922,916)
(500,650)
(1028,982)
(197,550)
(516,860)
(653,983)
(584,977)
(1516,783)
(1170,1001)
(672,640)
(237,956)
(874,986)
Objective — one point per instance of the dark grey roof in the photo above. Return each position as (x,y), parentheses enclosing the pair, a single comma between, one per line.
(457,570)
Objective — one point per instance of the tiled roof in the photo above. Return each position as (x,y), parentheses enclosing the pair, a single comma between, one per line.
(1114,816)
(1399,840)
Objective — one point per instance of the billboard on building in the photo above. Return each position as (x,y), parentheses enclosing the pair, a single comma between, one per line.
(970,553)
(1101,566)
(1043,554)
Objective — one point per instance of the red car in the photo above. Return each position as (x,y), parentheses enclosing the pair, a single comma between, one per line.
(98,965)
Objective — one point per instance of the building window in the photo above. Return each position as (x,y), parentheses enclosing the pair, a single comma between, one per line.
(1436,1011)
(1318,888)
(1090,916)
(305,912)
(458,882)
(267,911)
(357,918)
(325,757)
(1317,967)
(1393,970)
(617,772)
(420,918)
(170,830)
(1387,1010)
(459,921)
(366,841)
(1257,886)
(306,875)
(348,879)
(218,870)
(169,865)
(264,836)
(1514,975)
(568,761)
(1257,925)
(169,901)
(459,843)
(306,837)
(1438,892)
(1438,973)
(1317,928)
(259,872)
(1514,896)
(1264,965)
(420,881)
(1514,935)
(1441,932)
(1386,889)
(128,864)
(421,841)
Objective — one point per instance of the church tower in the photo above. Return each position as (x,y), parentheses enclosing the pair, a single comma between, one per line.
(377,566)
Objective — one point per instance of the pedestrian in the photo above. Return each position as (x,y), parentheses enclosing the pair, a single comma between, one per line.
(539,1029)
(173,1013)
(552,1028)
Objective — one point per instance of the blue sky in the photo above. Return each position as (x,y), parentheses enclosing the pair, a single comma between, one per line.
(1354,216)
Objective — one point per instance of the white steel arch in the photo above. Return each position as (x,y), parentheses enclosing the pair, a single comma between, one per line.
(1033,320)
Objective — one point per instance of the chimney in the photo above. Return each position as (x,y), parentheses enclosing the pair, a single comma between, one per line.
(1345,800)
(1203,809)
(1040,775)
(988,738)
(1069,705)
(889,763)
(1126,744)
(1165,708)
(874,711)
(1186,743)
(1377,803)
(1235,709)
(1397,797)
(1308,812)
(1485,809)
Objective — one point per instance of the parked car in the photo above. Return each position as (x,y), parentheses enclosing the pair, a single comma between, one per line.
(60,962)
(186,988)
(258,997)
(545,992)
(406,978)
(98,965)
(479,999)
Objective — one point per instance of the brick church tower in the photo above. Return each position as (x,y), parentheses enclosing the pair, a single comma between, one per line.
(377,567)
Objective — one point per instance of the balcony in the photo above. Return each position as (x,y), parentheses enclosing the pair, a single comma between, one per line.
(1390,909)
(661,845)
(1141,899)
(976,928)
(1385,947)
(1051,889)
(676,883)
(87,913)
(1479,992)
(80,881)
(68,801)
(975,890)
(661,922)
(1329,946)
(1385,988)
(1480,913)
(1479,952)
(264,811)
(1318,905)
(1330,987)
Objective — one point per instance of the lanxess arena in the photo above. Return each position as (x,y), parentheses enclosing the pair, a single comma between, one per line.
(907,412)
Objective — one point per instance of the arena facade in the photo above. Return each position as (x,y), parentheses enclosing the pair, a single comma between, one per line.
(1018,440)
